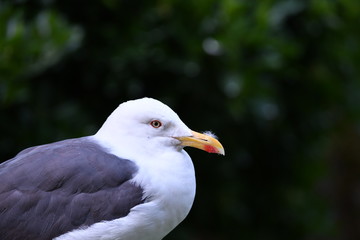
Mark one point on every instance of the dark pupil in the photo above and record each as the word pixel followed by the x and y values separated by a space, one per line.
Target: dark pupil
pixel 156 124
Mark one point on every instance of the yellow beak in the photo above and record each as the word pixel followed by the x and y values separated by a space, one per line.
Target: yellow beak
pixel 202 141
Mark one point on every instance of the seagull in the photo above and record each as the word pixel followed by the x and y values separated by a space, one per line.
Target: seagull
pixel 132 180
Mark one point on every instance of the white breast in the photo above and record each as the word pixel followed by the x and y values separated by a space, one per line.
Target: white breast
pixel 169 187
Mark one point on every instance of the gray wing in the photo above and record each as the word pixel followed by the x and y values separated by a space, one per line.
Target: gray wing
pixel 48 190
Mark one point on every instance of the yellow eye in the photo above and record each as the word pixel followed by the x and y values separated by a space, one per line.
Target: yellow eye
pixel 155 123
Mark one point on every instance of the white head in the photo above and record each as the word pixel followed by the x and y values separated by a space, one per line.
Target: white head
pixel 147 123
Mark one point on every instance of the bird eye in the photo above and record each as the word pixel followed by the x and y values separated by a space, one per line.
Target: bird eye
pixel 155 123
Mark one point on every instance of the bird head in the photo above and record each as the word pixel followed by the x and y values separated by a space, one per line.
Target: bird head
pixel 151 122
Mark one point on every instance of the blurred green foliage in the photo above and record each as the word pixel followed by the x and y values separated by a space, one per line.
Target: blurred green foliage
pixel 29 46
pixel 278 81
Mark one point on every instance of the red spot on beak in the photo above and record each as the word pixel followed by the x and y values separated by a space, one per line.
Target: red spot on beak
pixel 210 149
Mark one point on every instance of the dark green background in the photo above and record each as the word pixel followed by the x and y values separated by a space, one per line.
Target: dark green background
pixel 277 81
